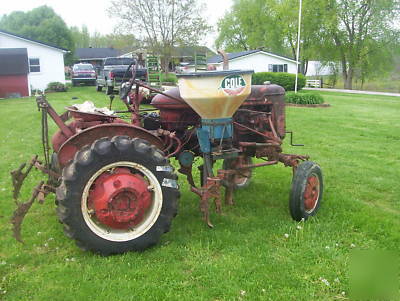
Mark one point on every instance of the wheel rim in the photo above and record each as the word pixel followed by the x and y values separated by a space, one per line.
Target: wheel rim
pixel 311 193
pixel 121 201
pixel 242 177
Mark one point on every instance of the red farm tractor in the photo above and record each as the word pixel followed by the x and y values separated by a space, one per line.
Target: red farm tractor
pixel 116 190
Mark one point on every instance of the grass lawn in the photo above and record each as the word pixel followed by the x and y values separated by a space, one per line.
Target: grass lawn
pixel 247 256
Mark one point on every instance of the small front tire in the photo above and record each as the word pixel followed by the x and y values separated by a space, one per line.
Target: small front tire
pixel 242 178
pixel 307 189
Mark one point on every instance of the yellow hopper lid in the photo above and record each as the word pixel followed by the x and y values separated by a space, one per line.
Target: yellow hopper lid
pixel 215 94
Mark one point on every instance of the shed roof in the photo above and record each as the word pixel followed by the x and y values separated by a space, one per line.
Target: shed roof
pixel 32 40
pixel 13 61
pixel 96 53
pixel 233 55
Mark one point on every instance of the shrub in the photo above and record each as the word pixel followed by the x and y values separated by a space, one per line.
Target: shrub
pixel 56 87
pixel 304 98
pixel 283 79
pixel 169 78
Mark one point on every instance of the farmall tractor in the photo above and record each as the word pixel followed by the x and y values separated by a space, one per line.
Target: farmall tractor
pixel 116 190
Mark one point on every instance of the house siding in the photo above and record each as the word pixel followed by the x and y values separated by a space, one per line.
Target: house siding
pixel 258 62
pixel 51 61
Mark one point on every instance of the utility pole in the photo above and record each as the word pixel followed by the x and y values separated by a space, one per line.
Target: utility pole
pixel 298 48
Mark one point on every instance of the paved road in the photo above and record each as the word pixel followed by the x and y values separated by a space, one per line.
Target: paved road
pixel 354 91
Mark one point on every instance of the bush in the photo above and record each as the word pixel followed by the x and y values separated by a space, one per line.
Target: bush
pixel 56 87
pixel 283 79
pixel 304 98
pixel 169 78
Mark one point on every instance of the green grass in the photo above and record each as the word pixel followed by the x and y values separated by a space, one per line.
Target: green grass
pixel 390 84
pixel 246 256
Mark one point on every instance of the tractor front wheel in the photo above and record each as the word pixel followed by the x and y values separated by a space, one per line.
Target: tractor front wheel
pixel 117 195
pixel 242 177
pixel 307 188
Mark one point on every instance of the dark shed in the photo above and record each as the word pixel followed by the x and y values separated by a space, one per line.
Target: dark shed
pixel 14 69
pixel 13 61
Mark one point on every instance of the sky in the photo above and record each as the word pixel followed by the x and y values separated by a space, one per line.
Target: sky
pixel 93 14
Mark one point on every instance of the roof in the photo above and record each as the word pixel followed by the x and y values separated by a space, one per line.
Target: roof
pixel 96 53
pixel 13 61
pixel 234 55
pixel 32 40
pixel 189 51
pixel 178 52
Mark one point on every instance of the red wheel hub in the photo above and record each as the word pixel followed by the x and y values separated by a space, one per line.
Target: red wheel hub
pixel 119 198
pixel 311 193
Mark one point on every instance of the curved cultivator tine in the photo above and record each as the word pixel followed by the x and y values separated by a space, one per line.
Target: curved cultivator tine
pixel 39 192
pixel 22 210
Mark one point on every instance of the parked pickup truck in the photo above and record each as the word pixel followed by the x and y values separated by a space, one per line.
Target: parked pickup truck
pixel 114 71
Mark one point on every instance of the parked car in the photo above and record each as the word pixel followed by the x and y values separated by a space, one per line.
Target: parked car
pixel 83 73
pixel 114 72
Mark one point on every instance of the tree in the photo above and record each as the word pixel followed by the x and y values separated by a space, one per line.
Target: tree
pixel 357 33
pixel 83 39
pixel 161 24
pixel 250 25
pixel 81 36
pixel 360 35
pixel 272 25
pixel 42 24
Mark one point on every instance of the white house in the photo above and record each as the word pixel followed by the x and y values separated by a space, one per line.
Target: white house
pixel 316 68
pixel 257 60
pixel 46 62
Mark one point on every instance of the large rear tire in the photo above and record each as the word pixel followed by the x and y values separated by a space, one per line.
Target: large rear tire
pixel 117 195
pixel 307 189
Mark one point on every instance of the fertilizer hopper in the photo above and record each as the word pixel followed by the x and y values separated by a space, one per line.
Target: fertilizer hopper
pixel 215 96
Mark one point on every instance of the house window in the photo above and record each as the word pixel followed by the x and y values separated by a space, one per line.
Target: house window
pixel 277 68
pixel 34 65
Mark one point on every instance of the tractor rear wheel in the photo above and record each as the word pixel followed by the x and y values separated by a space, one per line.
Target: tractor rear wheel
pixel 307 188
pixel 242 178
pixel 117 195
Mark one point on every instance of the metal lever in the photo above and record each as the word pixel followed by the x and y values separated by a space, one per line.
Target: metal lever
pixel 291 139
pixel 111 100
pixel 225 65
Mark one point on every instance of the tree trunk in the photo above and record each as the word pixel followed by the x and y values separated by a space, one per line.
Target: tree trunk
pixel 305 66
pixel 348 81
